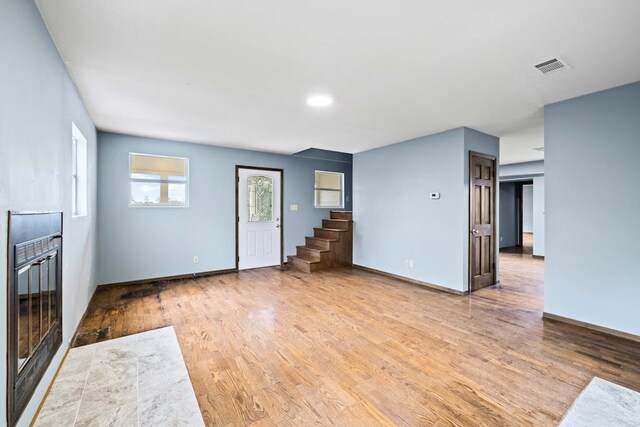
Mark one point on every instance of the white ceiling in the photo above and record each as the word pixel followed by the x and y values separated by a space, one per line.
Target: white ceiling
pixel 237 73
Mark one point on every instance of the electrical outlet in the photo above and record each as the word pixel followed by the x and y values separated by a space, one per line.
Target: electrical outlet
pixel 196 259
pixel 500 239
pixel 293 207
pixel 410 263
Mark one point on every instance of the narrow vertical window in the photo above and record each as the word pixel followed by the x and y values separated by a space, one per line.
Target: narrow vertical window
pixel 260 195
pixel 329 190
pixel 78 172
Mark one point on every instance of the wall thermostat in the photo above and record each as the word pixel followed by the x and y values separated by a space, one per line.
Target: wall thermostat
pixel 434 195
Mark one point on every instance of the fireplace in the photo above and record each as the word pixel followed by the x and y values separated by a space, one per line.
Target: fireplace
pixel 34 303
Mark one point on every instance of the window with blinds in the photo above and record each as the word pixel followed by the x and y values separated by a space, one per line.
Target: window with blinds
pixel 329 190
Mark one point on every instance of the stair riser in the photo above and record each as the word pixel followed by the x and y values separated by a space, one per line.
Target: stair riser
pixel 326 234
pixel 294 264
pixel 314 255
pixel 297 265
pixel 341 215
pixel 328 223
pixel 320 244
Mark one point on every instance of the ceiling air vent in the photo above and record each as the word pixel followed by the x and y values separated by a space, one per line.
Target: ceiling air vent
pixel 552 65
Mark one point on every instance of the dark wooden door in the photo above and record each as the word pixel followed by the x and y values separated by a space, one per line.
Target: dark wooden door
pixel 482 245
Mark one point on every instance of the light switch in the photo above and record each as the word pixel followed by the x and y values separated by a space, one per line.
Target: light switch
pixel 434 196
pixel 293 207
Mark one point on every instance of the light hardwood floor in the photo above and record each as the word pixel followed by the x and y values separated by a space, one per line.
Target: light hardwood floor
pixel 349 347
pixel 525 249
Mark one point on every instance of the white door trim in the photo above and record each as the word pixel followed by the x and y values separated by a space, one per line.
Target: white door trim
pixel 281 206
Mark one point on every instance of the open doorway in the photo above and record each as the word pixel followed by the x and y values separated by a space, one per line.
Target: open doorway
pixel 517 217
pixel 521 234
pixel 521 209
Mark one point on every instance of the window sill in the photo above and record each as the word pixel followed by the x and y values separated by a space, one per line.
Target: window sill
pixel 158 207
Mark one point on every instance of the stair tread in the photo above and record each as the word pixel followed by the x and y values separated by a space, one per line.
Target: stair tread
pixel 343 211
pixel 330 229
pixel 304 259
pixel 324 239
pixel 338 219
pixel 311 248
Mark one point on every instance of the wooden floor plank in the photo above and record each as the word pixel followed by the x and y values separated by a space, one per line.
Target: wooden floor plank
pixel 348 347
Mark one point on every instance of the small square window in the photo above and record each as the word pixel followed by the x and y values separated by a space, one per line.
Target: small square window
pixel 158 180
pixel 329 190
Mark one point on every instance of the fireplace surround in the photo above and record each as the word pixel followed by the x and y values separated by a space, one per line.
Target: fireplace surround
pixel 34 303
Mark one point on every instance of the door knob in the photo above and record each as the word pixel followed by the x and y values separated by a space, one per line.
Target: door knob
pixel 474 231
pixel 277 225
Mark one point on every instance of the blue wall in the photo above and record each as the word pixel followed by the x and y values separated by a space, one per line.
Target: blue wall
pixel 142 243
pixel 509 207
pixel 592 169
pixel 394 218
pixel 38 102
pixel 539 232
pixel 527 208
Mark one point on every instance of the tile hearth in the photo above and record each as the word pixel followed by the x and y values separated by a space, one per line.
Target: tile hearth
pixel 139 380
pixel 603 403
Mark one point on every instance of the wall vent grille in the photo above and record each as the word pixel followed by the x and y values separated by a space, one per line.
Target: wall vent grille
pixel 552 65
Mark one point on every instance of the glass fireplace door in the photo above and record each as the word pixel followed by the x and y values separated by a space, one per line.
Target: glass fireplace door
pixel 34 303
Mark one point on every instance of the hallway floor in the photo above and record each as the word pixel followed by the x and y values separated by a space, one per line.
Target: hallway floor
pixel 349 347
pixel 525 249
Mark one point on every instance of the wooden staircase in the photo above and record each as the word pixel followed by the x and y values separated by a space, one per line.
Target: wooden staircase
pixel 331 246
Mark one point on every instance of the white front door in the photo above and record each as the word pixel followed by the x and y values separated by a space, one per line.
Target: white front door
pixel 258 218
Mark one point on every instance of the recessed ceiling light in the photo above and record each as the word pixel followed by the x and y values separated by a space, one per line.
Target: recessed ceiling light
pixel 319 101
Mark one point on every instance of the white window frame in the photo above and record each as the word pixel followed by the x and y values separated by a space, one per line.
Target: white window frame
pixel 186 181
pixel 316 189
pixel 79 190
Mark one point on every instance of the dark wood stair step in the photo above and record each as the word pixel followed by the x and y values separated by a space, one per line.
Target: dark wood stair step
pixel 328 233
pixel 315 254
pixel 336 223
pixel 341 215
pixel 319 242
pixel 304 258
pixel 303 263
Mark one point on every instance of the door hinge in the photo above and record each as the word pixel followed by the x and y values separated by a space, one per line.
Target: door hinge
pixel 238 219
pixel 238 178
pixel 238 259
